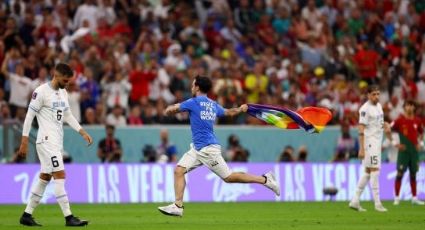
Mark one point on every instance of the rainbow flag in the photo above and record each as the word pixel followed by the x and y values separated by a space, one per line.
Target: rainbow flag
pixel 311 119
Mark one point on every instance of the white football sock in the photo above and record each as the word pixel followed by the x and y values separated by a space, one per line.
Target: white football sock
pixel 360 186
pixel 62 197
pixel 374 183
pixel 36 195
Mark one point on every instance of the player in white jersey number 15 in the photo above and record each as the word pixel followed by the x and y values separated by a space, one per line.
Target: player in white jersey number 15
pixel 49 103
pixel 371 130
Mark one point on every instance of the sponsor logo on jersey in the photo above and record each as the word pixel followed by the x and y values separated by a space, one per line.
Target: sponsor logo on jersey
pixel 34 95
pixel 57 104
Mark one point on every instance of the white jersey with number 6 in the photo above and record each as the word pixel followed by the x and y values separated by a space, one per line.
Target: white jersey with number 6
pixel 50 106
pixel 372 117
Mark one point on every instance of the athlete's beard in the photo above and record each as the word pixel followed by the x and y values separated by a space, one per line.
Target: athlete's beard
pixel 374 101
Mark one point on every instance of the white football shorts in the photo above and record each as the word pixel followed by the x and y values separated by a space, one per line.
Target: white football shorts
pixel 372 158
pixel 51 159
pixel 209 156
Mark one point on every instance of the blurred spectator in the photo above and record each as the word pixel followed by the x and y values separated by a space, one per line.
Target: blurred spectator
pixel 391 148
pixel 302 154
pixel 90 117
pixel 235 151
pixel 48 32
pixel 394 107
pixel 149 154
pixel 175 57
pixel 74 100
pixel 159 88
pixel 347 146
pixel 135 117
pixel 20 85
pixel 89 88
pixel 3 102
pixel 256 83
pixel 100 111
pixel 240 155
pixel 109 148
pixel 43 77
pixel 366 61
pixel 287 154
pixel 140 78
pixel 420 85
pixel 230 33
pixel 310 13
pixel 116 117
pixel 228 89
pixel 116 90
pixel 242 15
pixel 5 113
pixel 166 151
pixel 89 12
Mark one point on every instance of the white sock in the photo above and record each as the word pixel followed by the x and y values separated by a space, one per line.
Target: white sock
pixel 62 197
pixel 36 195
pixel 374 183
pixel 360 186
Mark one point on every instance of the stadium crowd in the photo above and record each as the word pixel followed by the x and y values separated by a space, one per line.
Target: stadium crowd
pixel 134 57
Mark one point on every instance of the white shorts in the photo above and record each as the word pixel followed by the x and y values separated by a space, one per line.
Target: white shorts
pixel 51 159
pixel 372 158
pixel 209 156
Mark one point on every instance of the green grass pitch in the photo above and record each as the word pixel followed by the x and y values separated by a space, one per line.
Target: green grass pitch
pixel 246 216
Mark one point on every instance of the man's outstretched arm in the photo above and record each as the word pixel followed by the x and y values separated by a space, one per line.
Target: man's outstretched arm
pixel 235 111
pixel 172 109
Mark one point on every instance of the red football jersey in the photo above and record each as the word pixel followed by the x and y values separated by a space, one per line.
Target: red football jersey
pixel 410 128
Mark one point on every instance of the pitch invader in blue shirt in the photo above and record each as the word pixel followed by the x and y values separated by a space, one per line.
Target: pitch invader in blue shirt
pixel 205 149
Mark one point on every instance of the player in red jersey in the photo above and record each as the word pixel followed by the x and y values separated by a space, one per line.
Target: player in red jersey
pixel 410 130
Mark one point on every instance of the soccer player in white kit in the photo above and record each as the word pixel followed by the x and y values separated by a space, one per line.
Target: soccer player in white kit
pixel 49 103
pixel 371 130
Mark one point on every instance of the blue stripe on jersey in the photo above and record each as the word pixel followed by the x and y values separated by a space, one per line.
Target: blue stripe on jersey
pixel 33 109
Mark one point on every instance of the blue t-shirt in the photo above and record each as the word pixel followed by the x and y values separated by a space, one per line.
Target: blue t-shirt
pixel 202 113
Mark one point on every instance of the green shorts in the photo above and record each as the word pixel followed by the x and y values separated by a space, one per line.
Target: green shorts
pixel 408 159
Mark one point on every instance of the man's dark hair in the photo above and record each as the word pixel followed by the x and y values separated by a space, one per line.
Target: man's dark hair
pixel 204 83
pixel 110 127
pixel 64 69
pixel 410 102
pixel 372 88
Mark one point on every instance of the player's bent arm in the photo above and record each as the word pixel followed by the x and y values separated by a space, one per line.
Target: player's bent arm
pixel 70 119
pixel 235 111
pixel 387 131
pixel 361 128
pixel 28 122
pixel 23 149
pixel 172 109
